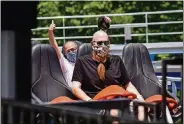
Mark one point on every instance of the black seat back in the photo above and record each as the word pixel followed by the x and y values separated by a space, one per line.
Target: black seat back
pixel 84 49
pixel 34 43
pixel 140 69
pixel 48 81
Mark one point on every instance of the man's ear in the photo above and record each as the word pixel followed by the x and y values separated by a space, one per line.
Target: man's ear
pixel 63 51
pixel 91 43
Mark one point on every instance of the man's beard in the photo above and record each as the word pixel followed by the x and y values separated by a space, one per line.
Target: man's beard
pixel 101 55
pixel 100 58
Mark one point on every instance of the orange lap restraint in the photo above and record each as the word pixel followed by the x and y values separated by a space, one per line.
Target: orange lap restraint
pixel 61 99
pixel 109 92
pixel 113 91
pixel 171 103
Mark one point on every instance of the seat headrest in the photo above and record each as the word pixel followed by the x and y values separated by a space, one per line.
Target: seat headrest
pixel 34 43
pixel 84 49
pixel 78 43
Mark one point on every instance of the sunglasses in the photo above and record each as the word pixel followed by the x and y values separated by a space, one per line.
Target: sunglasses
pixel 100 43
pixel 71 50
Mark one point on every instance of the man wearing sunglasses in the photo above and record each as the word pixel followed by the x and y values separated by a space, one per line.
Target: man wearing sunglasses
pixel 98 70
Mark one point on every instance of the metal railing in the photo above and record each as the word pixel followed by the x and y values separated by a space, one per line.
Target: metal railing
pixel 178 79
pixel 145 24
pixel 165 63
pixel 74 113
pixel 171 81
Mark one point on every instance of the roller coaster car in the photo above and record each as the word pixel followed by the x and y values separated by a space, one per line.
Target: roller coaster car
pixel 49 85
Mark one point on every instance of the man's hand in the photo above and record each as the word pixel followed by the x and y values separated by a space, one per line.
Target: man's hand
pixel 107 19
pixel 52 40
pixel 104 23
pixel 78 92
pixel 140 98
pixel 52 27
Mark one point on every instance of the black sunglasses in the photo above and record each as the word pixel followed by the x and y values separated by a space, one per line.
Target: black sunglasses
pixel 71 50
pixel 99 43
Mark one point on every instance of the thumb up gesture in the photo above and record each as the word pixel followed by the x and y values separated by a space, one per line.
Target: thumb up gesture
pixel 52 26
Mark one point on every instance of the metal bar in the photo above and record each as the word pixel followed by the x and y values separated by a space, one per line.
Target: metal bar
pixel 83 37
pixel 152 106
pixel 171 78
pixel 113 25
pixel 166 33
pixel 64 29
pixel 164 74
pixel 102 104
pixel 32 117
pixel 163 23
pixel 94 26
pixel 10 114
pixel 63 112
pixel 124 14
pixel 164 12
pixel 146 21
pixel 117 35
pixel 164 90
pixel 152 46
pixel 155 114
pixel 22 116
pixel 2 114
pixel 88 16
pixel 181 91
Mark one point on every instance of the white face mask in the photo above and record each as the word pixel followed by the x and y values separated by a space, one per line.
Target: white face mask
pixel 101 50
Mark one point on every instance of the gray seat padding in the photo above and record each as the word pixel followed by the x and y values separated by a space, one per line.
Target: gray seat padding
pixel 140 69
pixel 84 49
pixel 34 43
pixel 48 81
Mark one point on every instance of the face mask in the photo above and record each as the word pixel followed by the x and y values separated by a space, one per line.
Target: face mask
pixel 71 56
pixel 102 50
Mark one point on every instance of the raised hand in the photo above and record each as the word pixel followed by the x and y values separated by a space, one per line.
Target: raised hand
pixel 52 26
pixel 104 23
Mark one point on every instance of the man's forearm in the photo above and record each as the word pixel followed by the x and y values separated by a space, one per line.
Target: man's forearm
pixel 53 43
pixel 52 39
pixel 79 93
pixel 132 89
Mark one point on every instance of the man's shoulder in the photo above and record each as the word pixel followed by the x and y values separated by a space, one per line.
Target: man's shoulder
pixel 85 57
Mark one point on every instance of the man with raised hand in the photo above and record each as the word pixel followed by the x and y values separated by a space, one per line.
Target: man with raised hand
pixel 67 61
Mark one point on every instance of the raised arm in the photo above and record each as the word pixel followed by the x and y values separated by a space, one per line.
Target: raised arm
pixel 52 40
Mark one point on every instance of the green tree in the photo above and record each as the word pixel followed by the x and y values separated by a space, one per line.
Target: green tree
pixel 58 8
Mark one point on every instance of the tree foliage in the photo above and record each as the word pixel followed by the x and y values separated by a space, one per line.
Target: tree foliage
pixel 59 8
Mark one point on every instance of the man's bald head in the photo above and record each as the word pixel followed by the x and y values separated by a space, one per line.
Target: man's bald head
pixel 100 36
